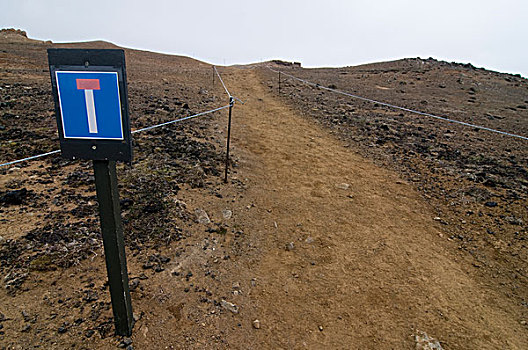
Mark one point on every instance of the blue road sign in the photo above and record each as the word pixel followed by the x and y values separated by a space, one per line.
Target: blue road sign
pixel 90 105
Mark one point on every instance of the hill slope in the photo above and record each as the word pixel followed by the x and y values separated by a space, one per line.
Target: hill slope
pixel 343 225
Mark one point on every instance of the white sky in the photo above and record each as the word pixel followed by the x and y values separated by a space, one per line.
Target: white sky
pixel 489 34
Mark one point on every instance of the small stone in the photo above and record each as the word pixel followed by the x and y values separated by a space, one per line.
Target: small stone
pixel 229 306
pixel 133 285
pixel 309 240
pixel 513 220
pixel 227 214
pixel 236 286
pixel 148 265
pixel 490 204
pixel 290 246
pixel 26 328
pixel 320 328
pixel 342 186
pixel 62 330
pixel 425 342
pixel 256 324
pixel 130 347
pixel 437 218
pixel 202 217
pixel 523 323
pixel 25 315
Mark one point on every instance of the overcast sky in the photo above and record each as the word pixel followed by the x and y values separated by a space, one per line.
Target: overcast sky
pixel 490 34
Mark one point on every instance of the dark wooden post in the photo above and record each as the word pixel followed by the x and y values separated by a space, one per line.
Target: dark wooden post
pixel 114 245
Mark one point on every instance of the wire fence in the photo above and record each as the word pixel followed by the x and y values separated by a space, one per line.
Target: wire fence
pixel 215 72
pixel 180 119
pixel 30 158
pixel 222 81
pixel 401 108
pixel 133 132
pixel 230 106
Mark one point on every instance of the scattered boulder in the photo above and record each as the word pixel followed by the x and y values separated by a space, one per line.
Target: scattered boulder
pixel 513 220
pixel 256 324
pixel 227 214
pixel 229 306
pixel 342 186
pixel 15 197
pixel 202 217
pixel 424 342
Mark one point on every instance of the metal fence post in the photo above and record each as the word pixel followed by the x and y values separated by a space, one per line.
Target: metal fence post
pixel 279 81
pixel 231 103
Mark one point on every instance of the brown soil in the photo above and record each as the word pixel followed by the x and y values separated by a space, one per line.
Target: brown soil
pixel 325 247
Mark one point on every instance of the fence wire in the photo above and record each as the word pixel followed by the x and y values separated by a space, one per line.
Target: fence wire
pixel 401 108
pixel 219 77
pixel 133 132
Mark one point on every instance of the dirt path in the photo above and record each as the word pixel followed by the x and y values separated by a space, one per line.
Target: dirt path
pixel 350 256
pixel 325 249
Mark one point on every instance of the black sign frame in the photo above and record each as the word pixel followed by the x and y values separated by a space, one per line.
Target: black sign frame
pixel 93 60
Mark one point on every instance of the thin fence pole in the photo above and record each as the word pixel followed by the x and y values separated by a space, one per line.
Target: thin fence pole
pixel 279 81
pixel 231 103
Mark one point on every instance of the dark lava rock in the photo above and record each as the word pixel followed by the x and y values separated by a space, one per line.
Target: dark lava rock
pixel 15 197
pixel 126 203
pixel 490 204
pixel 133 284
pixel 147 265
pixel 90 296
pixel 125 342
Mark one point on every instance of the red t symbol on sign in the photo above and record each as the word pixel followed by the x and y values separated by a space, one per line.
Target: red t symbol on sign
pixel 89 85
